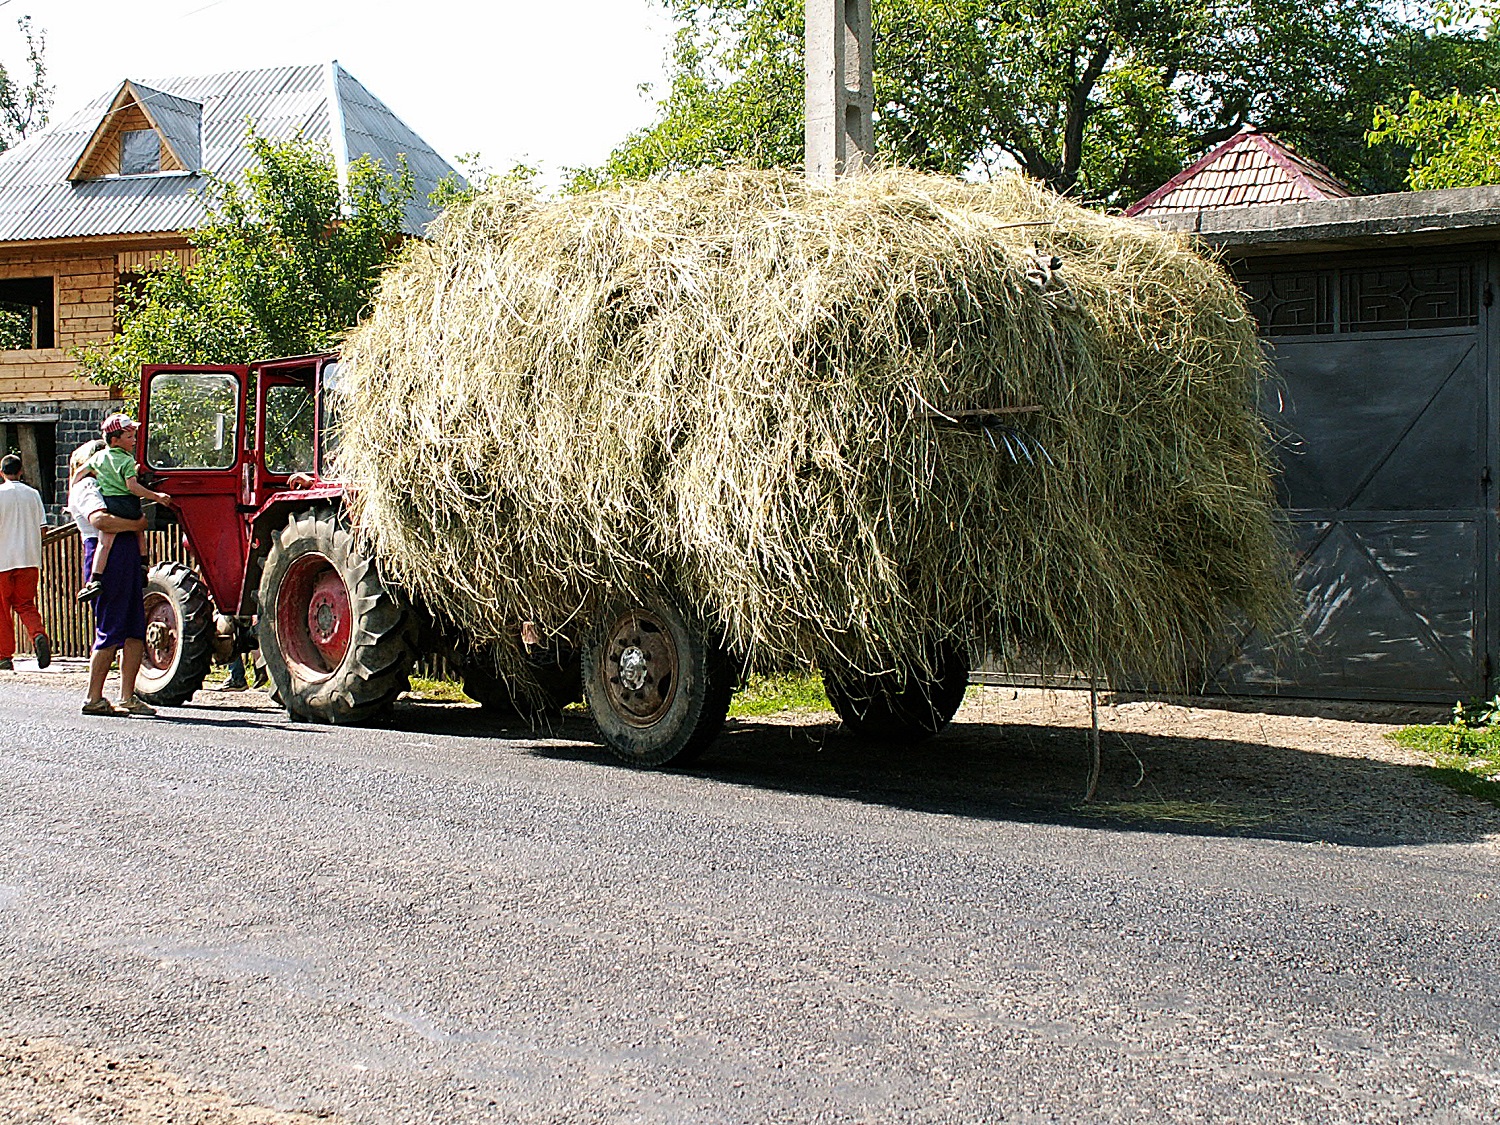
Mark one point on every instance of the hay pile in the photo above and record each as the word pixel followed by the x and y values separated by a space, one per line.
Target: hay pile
pixel 728 386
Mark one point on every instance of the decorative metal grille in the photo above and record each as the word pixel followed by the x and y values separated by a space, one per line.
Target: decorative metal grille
pixel 1291 304
pixel 1379 300
pixel 1385 299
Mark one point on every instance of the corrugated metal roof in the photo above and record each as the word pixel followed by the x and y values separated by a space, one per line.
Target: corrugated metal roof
pixel 37 201
pixel 1248 170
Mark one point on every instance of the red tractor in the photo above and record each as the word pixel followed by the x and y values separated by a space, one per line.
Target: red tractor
pixel 245 454
pixel 242 451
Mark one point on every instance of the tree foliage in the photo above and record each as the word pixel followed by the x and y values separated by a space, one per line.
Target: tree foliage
pixel 285 265
pixel 1450 139
pixel 1454 140
pixel 24 106
pixel 1103 98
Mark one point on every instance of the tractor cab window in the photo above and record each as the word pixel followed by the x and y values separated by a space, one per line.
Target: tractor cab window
pixel 289 429
pixel 193 420
pixel 333 401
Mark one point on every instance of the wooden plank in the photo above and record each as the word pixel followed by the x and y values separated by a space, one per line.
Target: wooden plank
pixel 31 464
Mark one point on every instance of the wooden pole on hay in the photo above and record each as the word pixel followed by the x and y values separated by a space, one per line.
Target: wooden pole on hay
pixel 839 136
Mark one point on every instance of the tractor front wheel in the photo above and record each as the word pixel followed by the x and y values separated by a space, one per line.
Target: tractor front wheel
pixel 179 635
pixel 337 643
pixel 658 689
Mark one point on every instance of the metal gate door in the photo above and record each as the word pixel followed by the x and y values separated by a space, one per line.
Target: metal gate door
pixel 1384 409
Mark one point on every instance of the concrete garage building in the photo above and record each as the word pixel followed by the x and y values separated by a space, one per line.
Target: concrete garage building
pixel 94 201
pixel 1379 316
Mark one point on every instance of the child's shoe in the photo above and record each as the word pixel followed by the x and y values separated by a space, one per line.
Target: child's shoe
pixel 90 590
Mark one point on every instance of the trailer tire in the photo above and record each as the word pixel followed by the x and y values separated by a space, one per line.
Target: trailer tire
pixel 179 648
pixel 337 643
pixel 658 689
pixel 892 708
pixel 560 679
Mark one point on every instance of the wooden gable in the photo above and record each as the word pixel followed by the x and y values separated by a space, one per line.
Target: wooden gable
pixel 128 112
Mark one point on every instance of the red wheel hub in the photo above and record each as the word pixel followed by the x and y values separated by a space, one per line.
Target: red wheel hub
pixel 162 634
pixel 314 617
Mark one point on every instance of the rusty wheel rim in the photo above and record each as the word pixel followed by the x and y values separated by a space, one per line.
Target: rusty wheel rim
pixel 641 667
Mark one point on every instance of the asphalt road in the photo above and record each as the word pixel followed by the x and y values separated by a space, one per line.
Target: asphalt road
pixel 436 923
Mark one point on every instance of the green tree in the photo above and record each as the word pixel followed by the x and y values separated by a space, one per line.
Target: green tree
pixel 1453 141
pixel 286 264
pixel 1451 138
pixel 1105 98
pixel 24 107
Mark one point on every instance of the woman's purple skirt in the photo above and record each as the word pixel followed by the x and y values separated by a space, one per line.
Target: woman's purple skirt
pixel 120 608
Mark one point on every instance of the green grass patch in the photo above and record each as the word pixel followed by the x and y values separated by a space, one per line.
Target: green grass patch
pixel 1465 758
pixel 442 691
pixel 773 695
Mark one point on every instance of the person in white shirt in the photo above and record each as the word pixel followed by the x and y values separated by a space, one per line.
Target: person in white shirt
pixel 22 518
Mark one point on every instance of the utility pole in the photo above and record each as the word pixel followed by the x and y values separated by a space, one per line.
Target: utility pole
pixel 840 132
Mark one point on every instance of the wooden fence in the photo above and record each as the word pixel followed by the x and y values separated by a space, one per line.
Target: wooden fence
pixel 69 622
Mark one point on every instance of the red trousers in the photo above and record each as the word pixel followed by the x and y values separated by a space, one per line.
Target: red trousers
pixel 18 596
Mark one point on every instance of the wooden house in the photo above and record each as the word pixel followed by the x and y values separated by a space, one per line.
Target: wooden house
pixel 87 205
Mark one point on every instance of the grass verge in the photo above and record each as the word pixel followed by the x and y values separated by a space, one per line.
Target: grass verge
pixel 763 695
pixel 1464 758
pixel 773 695
pixel 444 691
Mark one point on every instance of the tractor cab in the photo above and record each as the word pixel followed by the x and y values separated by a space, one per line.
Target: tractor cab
pixel 231 445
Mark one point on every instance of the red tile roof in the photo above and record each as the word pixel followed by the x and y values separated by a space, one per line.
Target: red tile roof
pixel 1250 169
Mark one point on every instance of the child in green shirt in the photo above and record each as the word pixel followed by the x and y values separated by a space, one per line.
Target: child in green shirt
pixel 114 467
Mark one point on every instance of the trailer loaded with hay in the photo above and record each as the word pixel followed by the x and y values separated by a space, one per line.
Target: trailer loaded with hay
pixel 636 443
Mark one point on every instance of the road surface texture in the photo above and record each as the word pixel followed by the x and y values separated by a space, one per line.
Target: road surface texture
pixel 224 917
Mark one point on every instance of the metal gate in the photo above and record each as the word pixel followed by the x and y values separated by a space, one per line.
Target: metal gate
pixel 1386 418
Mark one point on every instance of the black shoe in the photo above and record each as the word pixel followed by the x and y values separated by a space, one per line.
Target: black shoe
pixel 43 648
pixel 90 590
pixel 6 665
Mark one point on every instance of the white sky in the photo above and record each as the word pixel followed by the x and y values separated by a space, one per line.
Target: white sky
pixel 552 83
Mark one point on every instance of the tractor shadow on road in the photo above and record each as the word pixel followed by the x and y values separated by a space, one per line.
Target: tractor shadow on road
pixel 1209 786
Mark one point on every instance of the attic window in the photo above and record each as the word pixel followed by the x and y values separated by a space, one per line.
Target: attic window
pixel 140 152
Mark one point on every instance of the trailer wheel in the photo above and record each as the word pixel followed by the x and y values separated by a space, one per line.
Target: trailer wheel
pixel 179 635
pixel 557 673
pixel 893 708
pixel 337 643
pixel 657 688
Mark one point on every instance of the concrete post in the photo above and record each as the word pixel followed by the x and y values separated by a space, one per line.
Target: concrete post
pixel 840 132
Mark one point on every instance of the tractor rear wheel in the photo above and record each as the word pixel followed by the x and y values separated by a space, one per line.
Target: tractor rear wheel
pixel 179 646
pixel 895 708
pixel 337 643
pixel 658 689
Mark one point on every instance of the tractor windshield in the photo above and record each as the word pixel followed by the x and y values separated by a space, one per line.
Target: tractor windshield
pixel 194 416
